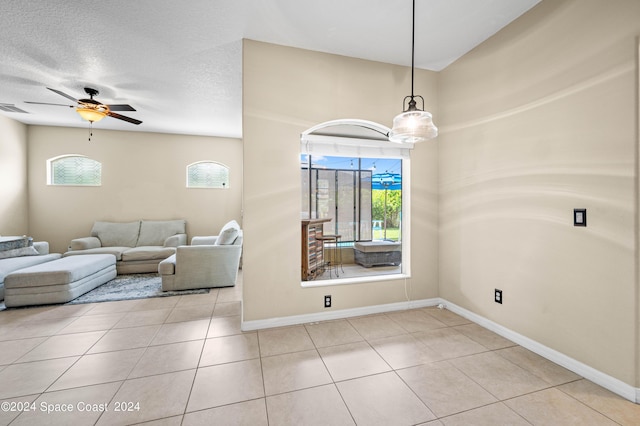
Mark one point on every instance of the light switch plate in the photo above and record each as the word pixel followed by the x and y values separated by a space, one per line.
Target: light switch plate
pixel 579 217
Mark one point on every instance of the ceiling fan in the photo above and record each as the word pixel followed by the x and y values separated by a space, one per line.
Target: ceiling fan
pixel 91 109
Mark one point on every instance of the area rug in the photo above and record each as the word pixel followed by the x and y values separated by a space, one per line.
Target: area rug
pixel 129 287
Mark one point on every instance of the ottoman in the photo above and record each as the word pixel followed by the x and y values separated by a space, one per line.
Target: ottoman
pixel 372 253
pixel 58 281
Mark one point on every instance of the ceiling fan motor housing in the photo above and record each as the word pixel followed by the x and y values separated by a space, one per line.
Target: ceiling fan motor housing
pixel 91 92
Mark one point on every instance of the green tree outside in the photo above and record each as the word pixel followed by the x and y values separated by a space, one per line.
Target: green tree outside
pixel 394 208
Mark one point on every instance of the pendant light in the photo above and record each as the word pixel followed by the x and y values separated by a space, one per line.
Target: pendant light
pixel 413 124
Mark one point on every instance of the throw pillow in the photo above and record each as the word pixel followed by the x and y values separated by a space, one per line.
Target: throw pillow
pixel 23 251
pixel 10 243
pixel 228 233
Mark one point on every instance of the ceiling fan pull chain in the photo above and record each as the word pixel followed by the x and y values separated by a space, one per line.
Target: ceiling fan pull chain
pixel 90 130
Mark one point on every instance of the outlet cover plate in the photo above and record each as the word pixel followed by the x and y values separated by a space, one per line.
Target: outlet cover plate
pixel 327 301
pixel 498 296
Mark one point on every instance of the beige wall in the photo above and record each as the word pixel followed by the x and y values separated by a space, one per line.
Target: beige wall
pixel 143 177
pixel 286 91
pixel 13 178
pixel 537 121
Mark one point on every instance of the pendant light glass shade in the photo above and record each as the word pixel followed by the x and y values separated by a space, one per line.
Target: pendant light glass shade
pixel 413 124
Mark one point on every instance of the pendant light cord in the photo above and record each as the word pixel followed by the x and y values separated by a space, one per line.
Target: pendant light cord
pixel 413 42
pixel 413 124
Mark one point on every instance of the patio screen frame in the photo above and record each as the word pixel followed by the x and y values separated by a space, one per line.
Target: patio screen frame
pixel 350 223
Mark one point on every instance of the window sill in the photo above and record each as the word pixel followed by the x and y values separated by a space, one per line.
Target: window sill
pixel 354 280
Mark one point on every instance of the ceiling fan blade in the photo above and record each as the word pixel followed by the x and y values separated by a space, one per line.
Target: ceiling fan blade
pixel 63 94
pixel 48 103
pixel 122 117
pixel 121 107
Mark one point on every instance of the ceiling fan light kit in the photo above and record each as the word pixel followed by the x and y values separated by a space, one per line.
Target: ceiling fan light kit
pixel 90 109
pixel 413 124
pixel 91 114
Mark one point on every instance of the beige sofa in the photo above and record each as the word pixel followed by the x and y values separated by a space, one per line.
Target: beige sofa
pixel 25 258
pixel 208 262
pixel 138 246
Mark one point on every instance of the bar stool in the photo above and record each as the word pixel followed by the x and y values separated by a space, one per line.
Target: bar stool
pixel 336 253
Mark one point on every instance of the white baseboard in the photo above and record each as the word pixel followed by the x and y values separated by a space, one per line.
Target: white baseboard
pixel 611 383
pixel 337 314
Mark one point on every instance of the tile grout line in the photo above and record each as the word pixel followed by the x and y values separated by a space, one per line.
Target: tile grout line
pixel 204 344
pixel 557 387
pixel 333 380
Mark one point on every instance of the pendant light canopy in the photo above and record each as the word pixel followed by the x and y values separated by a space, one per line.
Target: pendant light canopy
pixel 413 124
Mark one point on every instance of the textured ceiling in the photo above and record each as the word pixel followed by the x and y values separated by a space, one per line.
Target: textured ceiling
pixel 179 63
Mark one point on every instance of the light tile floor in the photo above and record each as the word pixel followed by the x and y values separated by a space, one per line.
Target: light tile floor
pixel 184 361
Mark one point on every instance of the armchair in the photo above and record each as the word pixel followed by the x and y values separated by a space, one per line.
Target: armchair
pixel 206 263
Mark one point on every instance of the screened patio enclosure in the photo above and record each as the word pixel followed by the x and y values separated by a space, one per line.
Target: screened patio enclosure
pixel 344 195
pixel 340 188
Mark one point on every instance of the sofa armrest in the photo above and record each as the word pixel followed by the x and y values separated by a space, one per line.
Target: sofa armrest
pixel 204 241
pixel 85 243
pixel 176 240
pixel 41 246
pixel 208 263
pixel 211 253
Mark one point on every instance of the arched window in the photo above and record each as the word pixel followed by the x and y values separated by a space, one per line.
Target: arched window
pixel 357 185
pixel 207 174
pixel 72 170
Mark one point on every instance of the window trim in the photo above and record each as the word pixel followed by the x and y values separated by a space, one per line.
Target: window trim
pixel 50 161
pixel 228 169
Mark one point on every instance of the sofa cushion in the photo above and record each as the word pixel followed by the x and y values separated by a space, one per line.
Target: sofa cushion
pixel 228 233
pixel 147 253
pixel 116 234
pixel 9 265
pixel 19 252
pixel 155 232
pixel 116 251
pixel 377 246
